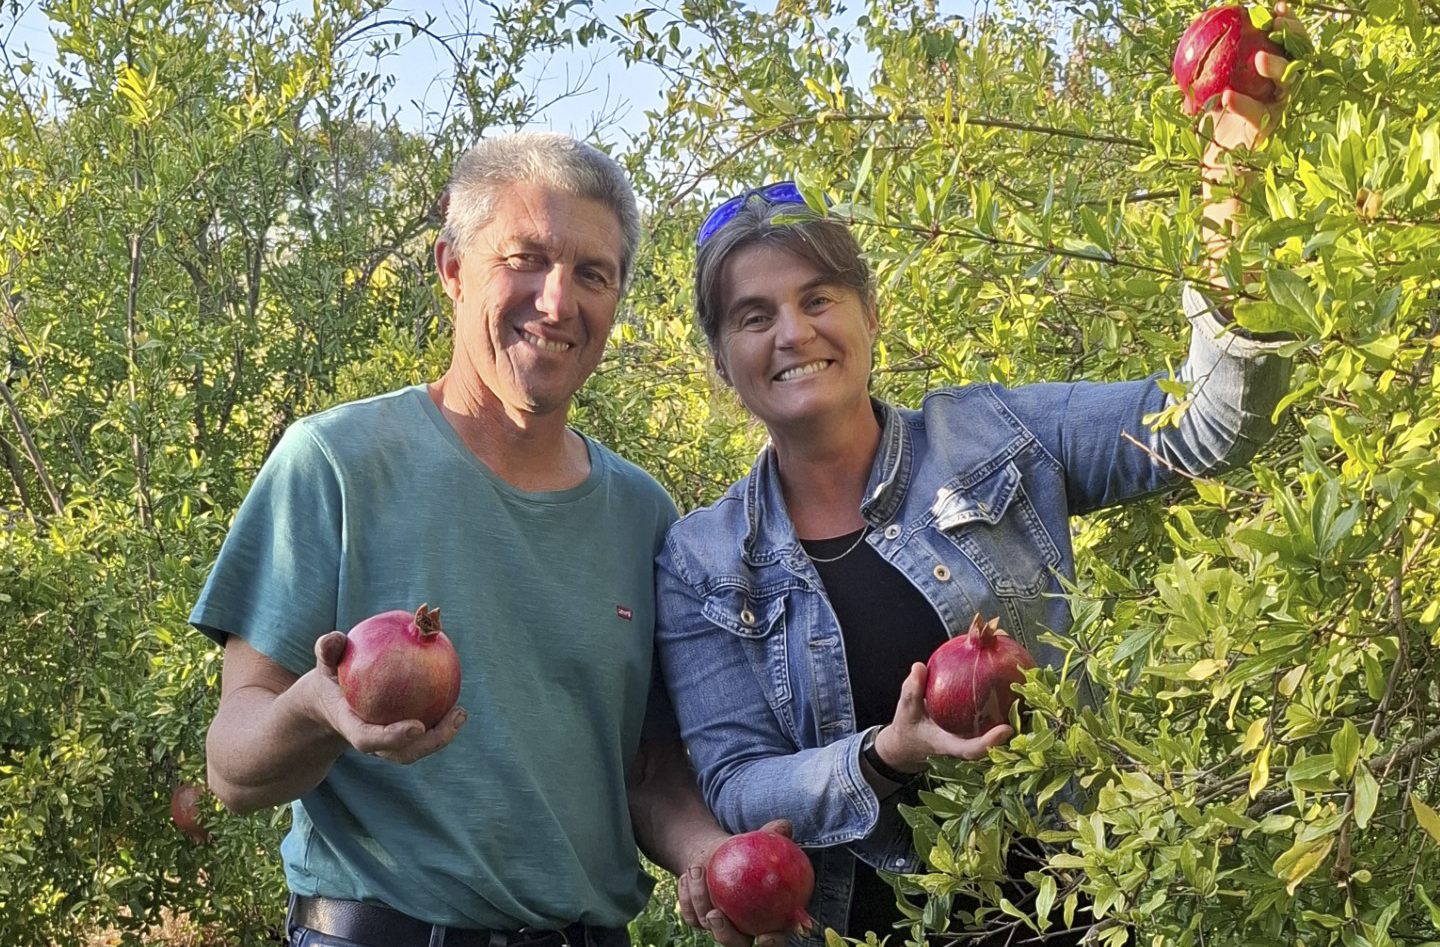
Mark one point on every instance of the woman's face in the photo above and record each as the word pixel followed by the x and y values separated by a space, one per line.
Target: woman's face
pixel 794 346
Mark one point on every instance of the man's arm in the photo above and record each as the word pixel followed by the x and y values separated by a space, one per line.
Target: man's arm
pixel 275 735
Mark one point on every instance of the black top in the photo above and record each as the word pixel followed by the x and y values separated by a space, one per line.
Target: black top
pixel 886 625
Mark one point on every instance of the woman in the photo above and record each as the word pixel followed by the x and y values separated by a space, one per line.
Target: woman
pixel 795 609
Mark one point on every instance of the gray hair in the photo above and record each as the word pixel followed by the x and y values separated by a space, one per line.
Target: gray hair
pixel 549 159
pixel 825 242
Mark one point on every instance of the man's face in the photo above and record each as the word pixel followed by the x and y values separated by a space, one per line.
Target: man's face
pixel 535 295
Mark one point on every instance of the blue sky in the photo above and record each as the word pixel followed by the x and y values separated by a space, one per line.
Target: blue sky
pixel 606 86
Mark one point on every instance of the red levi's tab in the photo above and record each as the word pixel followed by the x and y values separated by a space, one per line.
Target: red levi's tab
pixel 624 612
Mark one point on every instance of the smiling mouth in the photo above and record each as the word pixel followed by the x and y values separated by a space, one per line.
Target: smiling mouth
pixel 801 371
pixel 545 345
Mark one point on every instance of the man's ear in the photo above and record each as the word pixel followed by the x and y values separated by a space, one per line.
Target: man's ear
pixel 447 264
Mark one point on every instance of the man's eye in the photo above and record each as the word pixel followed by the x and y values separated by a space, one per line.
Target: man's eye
pixel 526 261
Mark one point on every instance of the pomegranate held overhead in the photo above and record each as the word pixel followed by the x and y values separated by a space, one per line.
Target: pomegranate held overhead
pixel 399 666
pixel 762 881
pixel 971 678
pixel 1217 52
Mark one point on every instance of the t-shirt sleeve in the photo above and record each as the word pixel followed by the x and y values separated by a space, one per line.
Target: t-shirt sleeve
pixel 276 581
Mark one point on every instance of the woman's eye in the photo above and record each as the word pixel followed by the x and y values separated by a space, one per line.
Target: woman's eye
pixel 753 320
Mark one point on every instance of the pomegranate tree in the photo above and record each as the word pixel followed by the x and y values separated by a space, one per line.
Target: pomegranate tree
pixel 762 881
pixel 971 679
pixel 185 812
pixel 399 666
pixel 1217 52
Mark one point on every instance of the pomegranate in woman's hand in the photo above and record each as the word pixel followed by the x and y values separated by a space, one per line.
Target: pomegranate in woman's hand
pixel 185 812
pixel 400 667
pixel 1217 52
pixel 762 881
pixel 969 688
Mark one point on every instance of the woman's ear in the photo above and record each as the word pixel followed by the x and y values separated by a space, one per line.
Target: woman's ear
pixel 872 314
pixel 720 370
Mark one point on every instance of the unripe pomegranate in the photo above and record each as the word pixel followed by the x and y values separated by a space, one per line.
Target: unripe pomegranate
pixel 971 678
pixel 762 881
pixel 185 812
pixel 1217 52
pixel 400 667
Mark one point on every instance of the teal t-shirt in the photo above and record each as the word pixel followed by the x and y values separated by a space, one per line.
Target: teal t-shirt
pixel 549 599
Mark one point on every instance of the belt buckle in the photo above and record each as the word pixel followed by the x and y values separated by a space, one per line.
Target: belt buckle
pixel 530 936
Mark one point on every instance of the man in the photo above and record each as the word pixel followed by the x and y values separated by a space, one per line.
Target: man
pixel 514 820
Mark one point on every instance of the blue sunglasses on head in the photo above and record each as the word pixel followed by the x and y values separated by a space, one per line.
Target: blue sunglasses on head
pixel 781 192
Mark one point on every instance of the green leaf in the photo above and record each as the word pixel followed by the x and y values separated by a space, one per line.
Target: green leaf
pixel 1367 796
pixel 1291 292
pixel 1268 318
pixel 1428 818
pixel 1345 745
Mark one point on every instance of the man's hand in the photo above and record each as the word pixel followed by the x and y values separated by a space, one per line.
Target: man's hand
pixel 275 735
pixel 402 742
pixel 692 892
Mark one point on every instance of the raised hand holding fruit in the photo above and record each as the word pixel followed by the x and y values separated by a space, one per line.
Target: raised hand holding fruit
pixel 400 667
pixel 970 681
pixel 762 881
pixel 1218 52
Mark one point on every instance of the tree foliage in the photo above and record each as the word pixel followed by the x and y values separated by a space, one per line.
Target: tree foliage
pixel 211 226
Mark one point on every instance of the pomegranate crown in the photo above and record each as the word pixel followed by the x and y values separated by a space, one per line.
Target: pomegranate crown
pixel 427 619
pixel 984 631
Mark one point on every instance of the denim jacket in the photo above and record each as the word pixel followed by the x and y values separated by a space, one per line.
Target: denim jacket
pixel 969 497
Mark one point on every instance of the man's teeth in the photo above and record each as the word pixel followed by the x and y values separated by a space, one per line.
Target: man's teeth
pixel 546 344
pixel 791 374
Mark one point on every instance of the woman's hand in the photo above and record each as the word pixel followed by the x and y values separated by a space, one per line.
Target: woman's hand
pixel 1239 122
pixel 914 736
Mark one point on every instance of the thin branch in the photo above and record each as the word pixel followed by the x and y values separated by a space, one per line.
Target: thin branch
pixel 31 450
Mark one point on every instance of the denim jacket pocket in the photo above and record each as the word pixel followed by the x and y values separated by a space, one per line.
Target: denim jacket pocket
pixel 995 525
pixel 761 627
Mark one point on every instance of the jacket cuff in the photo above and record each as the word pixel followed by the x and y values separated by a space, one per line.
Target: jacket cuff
pixel 1208 321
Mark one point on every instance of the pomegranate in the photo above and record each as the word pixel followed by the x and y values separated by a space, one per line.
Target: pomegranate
pixel 762 881
pixel 1217 52
pixel 400 667
pixel 971 678
pixel 185 812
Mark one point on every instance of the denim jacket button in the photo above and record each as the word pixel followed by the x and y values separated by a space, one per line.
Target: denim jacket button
pixel 942 573
pixel 892 531
pixel 747 617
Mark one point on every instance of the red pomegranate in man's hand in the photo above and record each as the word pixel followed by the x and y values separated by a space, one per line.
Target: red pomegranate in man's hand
pixel 762 881
pixel 1217 52
pixel 399 666
pixel 970 685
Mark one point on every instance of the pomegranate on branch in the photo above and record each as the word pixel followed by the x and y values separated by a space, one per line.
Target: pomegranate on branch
pixel 185 812
pixel 399 666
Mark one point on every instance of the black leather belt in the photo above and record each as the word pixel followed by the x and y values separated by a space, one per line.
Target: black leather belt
pixel 376 926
